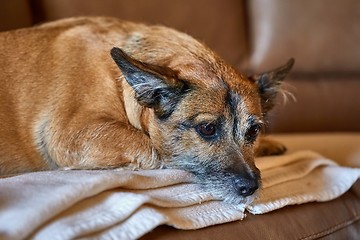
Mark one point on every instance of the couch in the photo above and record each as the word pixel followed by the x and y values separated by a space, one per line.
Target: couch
pixel 323 36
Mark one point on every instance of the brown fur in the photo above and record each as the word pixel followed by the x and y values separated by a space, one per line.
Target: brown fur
pixel 64 103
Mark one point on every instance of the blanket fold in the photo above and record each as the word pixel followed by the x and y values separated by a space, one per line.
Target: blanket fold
pixel 126 204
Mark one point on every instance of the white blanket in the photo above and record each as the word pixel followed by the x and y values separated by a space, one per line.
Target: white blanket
pixel 126 205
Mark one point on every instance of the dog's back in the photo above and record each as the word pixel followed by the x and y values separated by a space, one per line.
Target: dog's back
pixel 47 74
pixel 21 64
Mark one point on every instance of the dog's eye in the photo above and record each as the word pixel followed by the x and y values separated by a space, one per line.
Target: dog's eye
pixel 206 130
pixel 252 133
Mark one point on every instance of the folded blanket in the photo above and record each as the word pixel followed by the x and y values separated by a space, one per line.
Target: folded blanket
pixel 126 204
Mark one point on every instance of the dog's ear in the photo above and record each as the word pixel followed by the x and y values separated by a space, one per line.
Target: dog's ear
pixel 269 84
pixel 154 86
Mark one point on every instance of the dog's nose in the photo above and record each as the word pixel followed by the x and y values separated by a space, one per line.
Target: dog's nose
pixel 246 186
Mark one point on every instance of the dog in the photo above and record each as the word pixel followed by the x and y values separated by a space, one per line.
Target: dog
pixel 102 93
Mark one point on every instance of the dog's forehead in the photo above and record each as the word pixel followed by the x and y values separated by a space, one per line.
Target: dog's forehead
pixel 196 64
pixel 221 98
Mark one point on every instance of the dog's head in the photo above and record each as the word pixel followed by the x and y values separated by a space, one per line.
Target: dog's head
pixel 205 118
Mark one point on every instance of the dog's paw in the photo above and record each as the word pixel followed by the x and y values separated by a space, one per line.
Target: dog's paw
pixel 269 147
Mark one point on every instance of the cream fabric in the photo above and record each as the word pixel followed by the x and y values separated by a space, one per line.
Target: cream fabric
pixel 108 204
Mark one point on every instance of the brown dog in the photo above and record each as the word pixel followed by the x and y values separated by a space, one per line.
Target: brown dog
pixel 64 103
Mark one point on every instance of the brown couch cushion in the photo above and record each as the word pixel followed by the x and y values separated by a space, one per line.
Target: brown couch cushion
pixel 15 14
pixel 321 104
pixel 322 35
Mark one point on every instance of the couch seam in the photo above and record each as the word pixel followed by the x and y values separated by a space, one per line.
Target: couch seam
pixel 333 229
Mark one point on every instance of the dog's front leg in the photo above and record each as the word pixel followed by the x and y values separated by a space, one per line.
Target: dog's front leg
pixel 101 145
pixel 268 147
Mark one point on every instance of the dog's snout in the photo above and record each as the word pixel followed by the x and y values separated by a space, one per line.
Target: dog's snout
pixel 246 186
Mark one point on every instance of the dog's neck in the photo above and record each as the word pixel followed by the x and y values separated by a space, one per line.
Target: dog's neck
pixel 138 115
